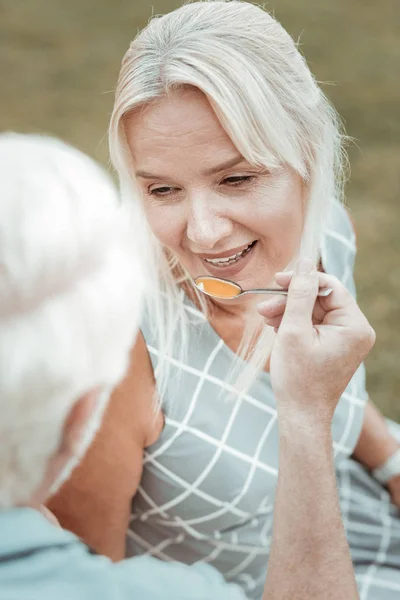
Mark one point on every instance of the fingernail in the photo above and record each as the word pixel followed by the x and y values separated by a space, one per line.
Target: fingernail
pixel 304 266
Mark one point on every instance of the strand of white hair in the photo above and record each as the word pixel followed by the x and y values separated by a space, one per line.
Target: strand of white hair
pixel 70 291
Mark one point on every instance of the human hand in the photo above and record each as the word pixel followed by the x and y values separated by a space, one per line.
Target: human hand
pixel 320 343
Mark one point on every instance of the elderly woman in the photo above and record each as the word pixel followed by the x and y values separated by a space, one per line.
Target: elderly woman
pixel 222 135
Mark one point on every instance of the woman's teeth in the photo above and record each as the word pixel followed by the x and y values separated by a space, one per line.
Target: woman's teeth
pixel 229 260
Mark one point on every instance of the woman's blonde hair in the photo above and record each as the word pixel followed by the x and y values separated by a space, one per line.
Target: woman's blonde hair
pixel 268 102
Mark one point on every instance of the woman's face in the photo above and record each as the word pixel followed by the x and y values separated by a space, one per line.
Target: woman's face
pixel 218 214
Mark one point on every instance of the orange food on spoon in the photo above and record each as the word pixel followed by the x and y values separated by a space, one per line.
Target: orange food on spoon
pixel 215 287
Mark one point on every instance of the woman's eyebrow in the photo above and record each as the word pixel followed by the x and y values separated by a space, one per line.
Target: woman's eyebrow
pixel 145 175
pixel 232 162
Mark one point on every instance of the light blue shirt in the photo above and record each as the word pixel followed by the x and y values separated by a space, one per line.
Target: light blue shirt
pixel 41 562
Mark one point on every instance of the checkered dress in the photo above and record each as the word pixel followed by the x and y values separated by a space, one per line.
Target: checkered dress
pixel 208 485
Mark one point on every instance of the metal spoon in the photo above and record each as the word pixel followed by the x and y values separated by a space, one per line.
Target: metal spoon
pixel 229 290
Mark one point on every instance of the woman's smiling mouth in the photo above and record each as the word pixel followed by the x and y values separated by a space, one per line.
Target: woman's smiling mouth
pixel 230 263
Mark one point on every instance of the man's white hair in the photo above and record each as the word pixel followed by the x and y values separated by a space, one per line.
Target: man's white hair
pixel 265 97
pixel 70 292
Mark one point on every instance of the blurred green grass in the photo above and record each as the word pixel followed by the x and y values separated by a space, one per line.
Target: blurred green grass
pixel 59 62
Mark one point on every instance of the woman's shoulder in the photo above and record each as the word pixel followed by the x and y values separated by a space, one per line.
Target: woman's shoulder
pixel 339 225
pixel 338 245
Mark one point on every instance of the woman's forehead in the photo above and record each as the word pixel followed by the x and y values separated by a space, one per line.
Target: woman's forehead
pixel 178 116
pixel 180 127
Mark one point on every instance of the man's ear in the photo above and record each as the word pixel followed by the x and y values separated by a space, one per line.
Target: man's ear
pixel 74 431
pixel 77 421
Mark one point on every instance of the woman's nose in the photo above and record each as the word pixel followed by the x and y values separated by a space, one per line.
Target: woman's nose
pixel 206 227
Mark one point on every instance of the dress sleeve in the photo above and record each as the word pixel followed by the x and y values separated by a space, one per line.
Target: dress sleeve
pixel 338 246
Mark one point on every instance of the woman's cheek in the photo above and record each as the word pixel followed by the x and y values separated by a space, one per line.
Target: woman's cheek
pixel 165 225
pixel 284 230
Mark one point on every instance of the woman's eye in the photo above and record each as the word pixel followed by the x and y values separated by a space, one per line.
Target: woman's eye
pixel 163 190
pixel 237 180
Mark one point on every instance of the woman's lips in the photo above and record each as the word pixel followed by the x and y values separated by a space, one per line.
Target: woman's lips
pixel 231 269
pixel 227 253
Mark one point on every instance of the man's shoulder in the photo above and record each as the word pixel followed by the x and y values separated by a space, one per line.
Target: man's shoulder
pixel 159 580
pixel 338 245
pixel 42 562
pixel 39 560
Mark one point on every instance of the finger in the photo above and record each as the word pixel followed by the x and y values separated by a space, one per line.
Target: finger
pixel 341 293
pixel 274 322
pixel 272 307
pixel 339 298
pixel 302 294
pixel 276 308
pixel 283 278
pixel 318 313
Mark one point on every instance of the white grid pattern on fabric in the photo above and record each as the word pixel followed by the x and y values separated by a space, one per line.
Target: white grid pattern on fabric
pixel 148 548
pixel 195 492
pixel 338 446
pixel 213 555
pixel 193 488
pixel 212 379
pixel 369 515
pixel 368 528
pixel 353 399
pixel 220 448
pixel 216 543
pixel 347 429
pixel 382 550
pixel 239 548
pixel 241 566
pixel 341 238
pixel 228 506
pixel 201 375
pixel 265 539
pixel 219 443
pixel 345 495
pixel 228 449
pixel 247 581
pixel 381 584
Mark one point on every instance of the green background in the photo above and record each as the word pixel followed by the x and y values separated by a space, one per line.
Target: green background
pixel 59 61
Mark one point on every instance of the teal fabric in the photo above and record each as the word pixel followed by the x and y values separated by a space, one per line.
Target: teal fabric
pixel 41 562
pixel 208 486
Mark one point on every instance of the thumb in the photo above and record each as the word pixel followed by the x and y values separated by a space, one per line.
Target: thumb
pixel 302 295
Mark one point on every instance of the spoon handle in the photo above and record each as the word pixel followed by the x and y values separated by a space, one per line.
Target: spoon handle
pixel 277 292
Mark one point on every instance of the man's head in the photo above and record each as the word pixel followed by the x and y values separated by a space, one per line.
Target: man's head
pixel 70 292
